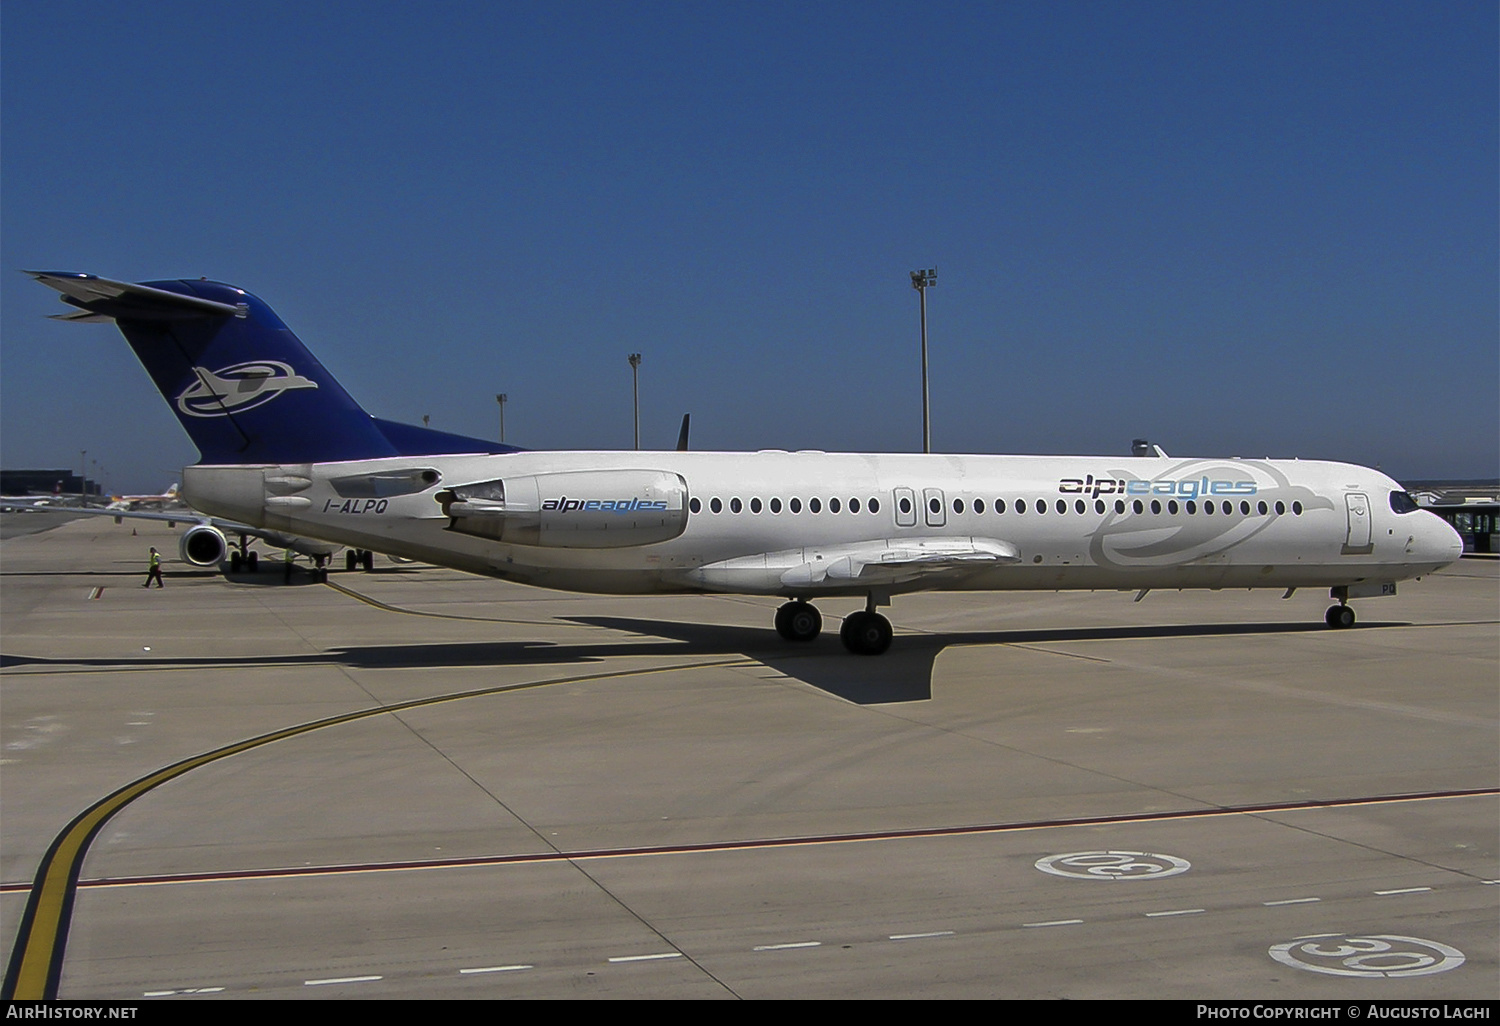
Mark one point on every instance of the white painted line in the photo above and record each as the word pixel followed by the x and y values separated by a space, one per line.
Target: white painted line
pixel 784 947
pixel 1405 890
pixel 1490 881
pixel 921 936
pixel 1292 901
pixel 341 979
pixel 1056 922
pixel 1174 912
pixel 495 969
pixel 159 993
pixel 646 958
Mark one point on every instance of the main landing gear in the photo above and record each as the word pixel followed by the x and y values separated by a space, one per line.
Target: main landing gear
pixel 799 621
pixel 243 557
pixel 865 632
pixel 359 559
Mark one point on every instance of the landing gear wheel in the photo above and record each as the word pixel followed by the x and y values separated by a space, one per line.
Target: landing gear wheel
pixel 234 562
pixel 252 561
pixel 367 560
pixel 1339 616
pixel 798 621
pixel 866 633
pixel 351 559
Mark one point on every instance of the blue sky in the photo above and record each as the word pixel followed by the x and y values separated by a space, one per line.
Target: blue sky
pixel 1250 228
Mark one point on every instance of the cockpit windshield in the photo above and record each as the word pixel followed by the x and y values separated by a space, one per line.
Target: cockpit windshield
pixel 1401 502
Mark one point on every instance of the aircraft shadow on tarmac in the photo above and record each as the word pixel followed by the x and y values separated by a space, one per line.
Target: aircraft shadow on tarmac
pixel 904 674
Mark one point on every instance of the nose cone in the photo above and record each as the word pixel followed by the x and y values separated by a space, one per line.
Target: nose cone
pixel 1439 543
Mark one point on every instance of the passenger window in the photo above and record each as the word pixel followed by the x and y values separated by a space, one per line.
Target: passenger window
pixel 1138 506
pixel 1172 506
pixel 755 505
pixel 814 506
pixel 695 505
pixel 1297 509
pixel 1099 506
pixel 1000 506
pixel 958 505
pixel 715 505
pixel 833 505
pixel 795 505
pixel 1280 508
pixel 1020 505
pixel 978 505
pixel 905 504
pixel 853 505
pixel 775 505
pixel 1062 506
pixel 1156 507
pixel 874 505
pixel 734 505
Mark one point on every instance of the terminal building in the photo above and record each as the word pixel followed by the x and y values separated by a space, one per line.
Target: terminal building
pixel 45 482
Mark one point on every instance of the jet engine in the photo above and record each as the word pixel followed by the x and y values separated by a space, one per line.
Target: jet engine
pixel 590 509
pixel 202 545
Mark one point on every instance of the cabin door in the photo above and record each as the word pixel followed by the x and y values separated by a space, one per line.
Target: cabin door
pixel 1357 513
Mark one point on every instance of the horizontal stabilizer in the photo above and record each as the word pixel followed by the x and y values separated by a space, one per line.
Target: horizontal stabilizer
pixel 102 299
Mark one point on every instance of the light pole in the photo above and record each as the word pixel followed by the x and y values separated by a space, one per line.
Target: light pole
pixel 921 281
pixel 500 398
pixel 635 386
pixel 83 477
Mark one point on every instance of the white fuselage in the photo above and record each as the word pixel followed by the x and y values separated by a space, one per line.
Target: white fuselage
pixel 768 522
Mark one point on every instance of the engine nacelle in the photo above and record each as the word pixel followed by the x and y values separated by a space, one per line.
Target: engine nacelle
pixel 203 545
pixel 589 509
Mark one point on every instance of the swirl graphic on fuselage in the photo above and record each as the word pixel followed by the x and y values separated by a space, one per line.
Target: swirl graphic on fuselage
pixel 1130 540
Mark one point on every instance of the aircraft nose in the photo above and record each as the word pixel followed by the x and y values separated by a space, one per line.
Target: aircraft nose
pixel 1441 541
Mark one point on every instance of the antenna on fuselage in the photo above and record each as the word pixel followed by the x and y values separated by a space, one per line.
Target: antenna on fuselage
pixel 682 436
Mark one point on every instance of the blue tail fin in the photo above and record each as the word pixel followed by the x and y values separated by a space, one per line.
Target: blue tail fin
pixel 244 387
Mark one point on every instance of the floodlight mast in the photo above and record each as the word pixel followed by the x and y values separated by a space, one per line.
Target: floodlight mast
pixel 921 281
pixel 501 398
pixel 635 385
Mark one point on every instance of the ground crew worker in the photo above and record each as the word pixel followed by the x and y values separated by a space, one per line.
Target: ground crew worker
pixel 286 577
pixel 154 573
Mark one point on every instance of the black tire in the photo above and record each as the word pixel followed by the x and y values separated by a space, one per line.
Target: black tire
pixel 367 560
pixel 351 559
pixel 799 621
pixel 866 633
pixel 1339 617
pixel 252 561
pixel 234 562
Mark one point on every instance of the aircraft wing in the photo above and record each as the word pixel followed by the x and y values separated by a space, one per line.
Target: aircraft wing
pixel 880 563
pixel 306 546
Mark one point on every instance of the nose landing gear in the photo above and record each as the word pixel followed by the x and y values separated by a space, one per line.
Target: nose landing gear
pixel 1339 616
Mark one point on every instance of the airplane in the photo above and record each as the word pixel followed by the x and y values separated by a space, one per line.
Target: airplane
pixel 284 448
pixel 161 500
